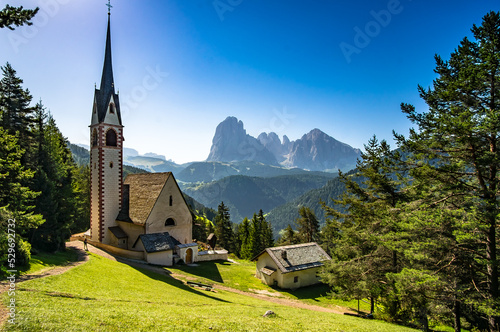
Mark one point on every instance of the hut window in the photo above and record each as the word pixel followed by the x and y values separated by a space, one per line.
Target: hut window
pixel 170 222
pixel 296 279
pixel 111 138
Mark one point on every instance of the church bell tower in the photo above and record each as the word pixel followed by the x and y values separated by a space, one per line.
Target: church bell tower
pixel 106 153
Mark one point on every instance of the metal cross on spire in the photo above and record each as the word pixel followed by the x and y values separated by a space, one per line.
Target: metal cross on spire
pixel 109 6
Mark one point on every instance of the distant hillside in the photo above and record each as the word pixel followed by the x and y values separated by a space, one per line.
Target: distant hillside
pixel 81 156
pixel 287 213
pixel 214 170
pixel 153 164
pixel 200 209
pixel 246 195
pixel 132 170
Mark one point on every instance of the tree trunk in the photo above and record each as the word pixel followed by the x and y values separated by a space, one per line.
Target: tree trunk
pixel 424 320
pixel 456 314
pixel 491 255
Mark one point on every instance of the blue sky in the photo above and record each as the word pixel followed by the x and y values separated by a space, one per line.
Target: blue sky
pixel 183 66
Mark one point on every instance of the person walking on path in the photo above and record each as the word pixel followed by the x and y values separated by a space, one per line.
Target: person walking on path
pixel 85 244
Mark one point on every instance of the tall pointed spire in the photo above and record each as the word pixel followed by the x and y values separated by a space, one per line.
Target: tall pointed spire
pixel 106 92
pixel 107 83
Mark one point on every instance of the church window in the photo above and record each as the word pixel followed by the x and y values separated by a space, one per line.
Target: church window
pixel 170 222
pixel 95 166
pixel 94 137
pixel 112 108
pixel 111 138
pixel 111 164
pixel 170 201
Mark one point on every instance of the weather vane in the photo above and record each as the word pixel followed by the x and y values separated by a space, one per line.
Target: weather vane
pixel 109 6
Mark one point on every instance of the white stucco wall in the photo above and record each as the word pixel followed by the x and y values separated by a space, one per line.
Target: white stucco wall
pixel 263 261
pixel 164 258
pixel 305 278
pixel 133 231
pixel 111 186
pixel 285 280
pixel 206 256
pixel 94 190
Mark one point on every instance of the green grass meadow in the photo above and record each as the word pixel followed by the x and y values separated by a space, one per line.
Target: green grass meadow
pixel 104 295
pixel 241 276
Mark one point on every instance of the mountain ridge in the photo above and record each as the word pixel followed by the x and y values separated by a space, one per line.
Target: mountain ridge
pixel 314 151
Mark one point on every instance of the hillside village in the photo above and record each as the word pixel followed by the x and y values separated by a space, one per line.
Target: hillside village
pixel 392 238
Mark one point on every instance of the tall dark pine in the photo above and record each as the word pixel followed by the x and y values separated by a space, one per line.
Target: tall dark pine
pixel 223 228
pixel 15 111
pixel 308 225
pixel 363 234
pixel 54 179
pixel 457 141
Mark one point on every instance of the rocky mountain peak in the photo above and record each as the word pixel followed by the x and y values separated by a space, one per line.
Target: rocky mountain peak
pixel 232 143
pixel 315 151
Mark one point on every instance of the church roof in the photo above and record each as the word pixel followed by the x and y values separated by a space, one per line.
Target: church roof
pixel 296 257
pixel 140 194
pixel 158 242
pixel 107 87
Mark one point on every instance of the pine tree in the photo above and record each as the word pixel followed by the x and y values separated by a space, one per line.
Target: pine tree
pixel 223 228
pixel 457 146
pixel 17 16
pixel 15 112
pixel 54 174
pixel 245 235
pixel 81 190
pixel 267 235
pixel 16 201
pixel 288 237
pixel 367 236
pixel 256 235
pixel 308 225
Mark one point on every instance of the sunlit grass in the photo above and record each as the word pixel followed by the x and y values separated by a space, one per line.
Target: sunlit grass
pixel 104 295
pixel 241 276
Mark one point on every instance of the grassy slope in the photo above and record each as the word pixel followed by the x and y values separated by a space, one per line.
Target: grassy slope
pixel 104 295
pixel 241 276
pixel 46 261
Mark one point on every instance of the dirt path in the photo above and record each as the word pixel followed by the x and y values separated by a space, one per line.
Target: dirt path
pixel 83 257
pixel 286 301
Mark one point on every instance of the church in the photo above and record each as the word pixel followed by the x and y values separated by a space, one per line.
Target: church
pixel 145 216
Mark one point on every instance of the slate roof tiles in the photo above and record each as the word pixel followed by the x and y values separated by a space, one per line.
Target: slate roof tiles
pixel 297 257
